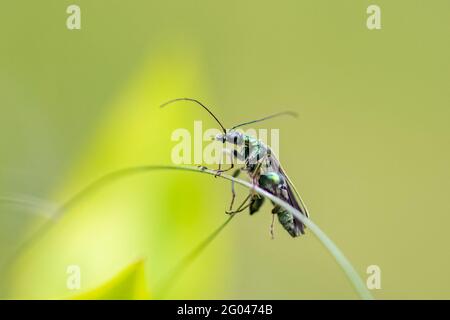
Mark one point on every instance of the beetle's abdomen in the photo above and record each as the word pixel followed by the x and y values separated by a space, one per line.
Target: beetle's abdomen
pixel 274 183
pixel 286 219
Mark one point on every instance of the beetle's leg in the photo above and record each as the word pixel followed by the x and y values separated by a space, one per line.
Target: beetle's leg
pixel 219 171
pixel 272 226
pixel 242 206
pixel 239 210
pixel 233 192
pixel 256 171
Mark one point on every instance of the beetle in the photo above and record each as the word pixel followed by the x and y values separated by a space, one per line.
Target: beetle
pixel 264 170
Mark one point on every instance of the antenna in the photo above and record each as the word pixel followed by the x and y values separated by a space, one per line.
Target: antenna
pixel 289 113
pixel 199 103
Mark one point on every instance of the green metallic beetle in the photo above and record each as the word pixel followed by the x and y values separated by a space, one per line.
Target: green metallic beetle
pixel 264 170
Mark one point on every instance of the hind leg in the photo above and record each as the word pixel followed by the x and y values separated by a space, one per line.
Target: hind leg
pixel 244 205
pixel 272 227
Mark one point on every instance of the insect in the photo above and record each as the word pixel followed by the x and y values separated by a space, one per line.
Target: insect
pixel 264 170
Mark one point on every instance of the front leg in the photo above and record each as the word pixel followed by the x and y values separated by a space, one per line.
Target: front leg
pixel 233 192
pixel 231 155
pixel 219 171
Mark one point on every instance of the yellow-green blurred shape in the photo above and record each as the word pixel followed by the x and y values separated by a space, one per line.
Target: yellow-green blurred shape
pixel 127 284
pixel 159 215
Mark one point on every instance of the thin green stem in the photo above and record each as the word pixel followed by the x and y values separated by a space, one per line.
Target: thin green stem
pixel 187 260
pixel 335 252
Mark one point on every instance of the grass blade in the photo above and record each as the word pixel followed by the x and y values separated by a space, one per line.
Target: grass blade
pixel 335 252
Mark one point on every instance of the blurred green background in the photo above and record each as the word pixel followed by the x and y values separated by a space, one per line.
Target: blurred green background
pixel 370 152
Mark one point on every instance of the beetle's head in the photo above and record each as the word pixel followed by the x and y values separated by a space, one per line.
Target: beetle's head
pixel 232 136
